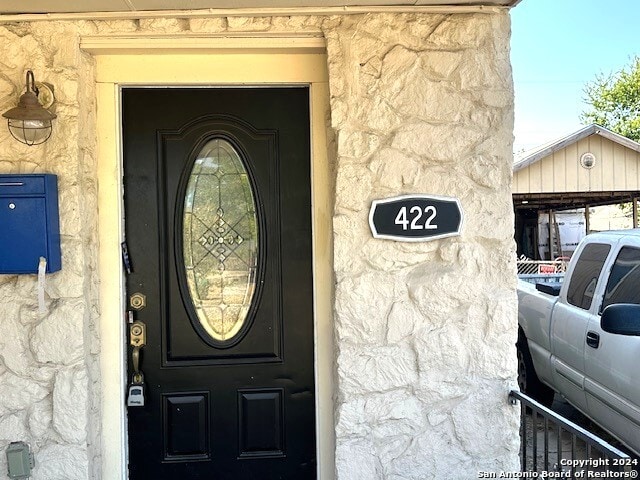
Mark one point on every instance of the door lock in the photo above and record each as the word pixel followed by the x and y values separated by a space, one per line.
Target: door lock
pixel 138 301
pixel 138 334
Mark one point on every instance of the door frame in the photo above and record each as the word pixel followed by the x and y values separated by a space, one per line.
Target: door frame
pixel 205 62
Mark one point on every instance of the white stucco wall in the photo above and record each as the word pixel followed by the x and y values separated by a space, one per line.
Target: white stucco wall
pixel 421 103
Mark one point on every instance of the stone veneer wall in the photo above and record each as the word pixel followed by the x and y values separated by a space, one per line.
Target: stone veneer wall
pixel 421 103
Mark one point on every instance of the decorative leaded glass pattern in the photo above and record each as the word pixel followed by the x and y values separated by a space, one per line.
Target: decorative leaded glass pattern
pixel 220 238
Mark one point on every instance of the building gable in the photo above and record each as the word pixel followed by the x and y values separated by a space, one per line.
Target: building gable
pixel 557 167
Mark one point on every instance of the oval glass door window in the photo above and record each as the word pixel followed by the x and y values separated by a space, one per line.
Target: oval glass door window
pixel 220 238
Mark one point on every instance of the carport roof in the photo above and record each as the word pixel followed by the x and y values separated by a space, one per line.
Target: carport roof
pixel 538 153
pixel 557 186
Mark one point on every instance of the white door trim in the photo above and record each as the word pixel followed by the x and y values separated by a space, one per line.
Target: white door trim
pixel 213 62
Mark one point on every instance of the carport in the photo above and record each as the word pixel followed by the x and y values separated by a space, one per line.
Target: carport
pixel 588 168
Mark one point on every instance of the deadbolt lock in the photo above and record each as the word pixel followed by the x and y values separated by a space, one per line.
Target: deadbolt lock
pixel 138 334
pixel 138 301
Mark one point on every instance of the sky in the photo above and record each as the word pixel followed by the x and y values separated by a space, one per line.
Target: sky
pixel 557 47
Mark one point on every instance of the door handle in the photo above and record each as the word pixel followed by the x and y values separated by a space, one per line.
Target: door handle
pixel 593 339
pixel 137 339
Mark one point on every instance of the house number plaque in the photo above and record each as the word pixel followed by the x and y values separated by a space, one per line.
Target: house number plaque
pixel 415 218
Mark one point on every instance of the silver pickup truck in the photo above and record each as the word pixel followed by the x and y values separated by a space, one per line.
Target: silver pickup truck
pixel 581 338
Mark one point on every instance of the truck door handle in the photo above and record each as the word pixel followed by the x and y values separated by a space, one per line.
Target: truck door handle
pixel 593 339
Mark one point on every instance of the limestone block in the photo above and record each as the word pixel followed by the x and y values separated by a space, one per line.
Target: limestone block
pixel 440 65
pixel 439 292
pixel 497 98
pixel 397 65
pixel 369 369
pixel 481 219
pixel 462 31
pixel 414 30
pixel 18 393
pixel 7 166
pixel 496 356
pixel 402 321
pixel 56 462
pixel 394 257
pixel 27 166
pixel 335 63
pixel 111 26
pixel 69 281
pixel 356 144
pixel 472 414
pixel 207 25
pixel 40 417
pixel 407 86
pixel 436 141
pixel 479 71
pixel 394 170
pixel 356 460
pixel 17 50
pixel 337 84
pixel 13 428
pixel 364 52
pixel 381 416
pixel 30 314
pixel 372 67
pixel 446 349
pixel 488 171
pixel 376 114
pixel 424 458
pixel 362 306
pixel 339 111
pixel 59 339
pixel 65 167
pixel 66 91
pixel 296 23
pixel 348 232
pixel 8 93
pixel 164 25
pixel 67 54
pixel 14 344
pixel 253 24
pixel 70 405
pixel 71 219
pixel 353 187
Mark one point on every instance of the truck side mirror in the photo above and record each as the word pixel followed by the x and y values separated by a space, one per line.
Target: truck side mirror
pixel 621 319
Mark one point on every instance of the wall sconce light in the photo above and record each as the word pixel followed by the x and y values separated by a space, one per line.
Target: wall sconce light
pixel 30 122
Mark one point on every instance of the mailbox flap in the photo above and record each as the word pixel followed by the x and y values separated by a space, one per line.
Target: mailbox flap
pixel 11 185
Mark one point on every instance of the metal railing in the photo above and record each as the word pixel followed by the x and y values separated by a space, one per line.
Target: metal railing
pixel 551 443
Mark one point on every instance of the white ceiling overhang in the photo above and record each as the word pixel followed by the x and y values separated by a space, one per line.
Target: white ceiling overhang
pixel 13 7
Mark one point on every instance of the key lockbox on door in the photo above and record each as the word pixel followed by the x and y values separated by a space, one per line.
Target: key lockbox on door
pixel 29 223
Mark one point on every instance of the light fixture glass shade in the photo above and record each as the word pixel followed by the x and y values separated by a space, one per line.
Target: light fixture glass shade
pixel 29 122
pixel 30 132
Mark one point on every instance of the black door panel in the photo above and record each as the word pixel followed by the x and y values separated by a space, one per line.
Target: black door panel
pixel 217 407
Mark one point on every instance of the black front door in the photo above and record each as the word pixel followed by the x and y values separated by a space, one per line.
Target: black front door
pixel 218 228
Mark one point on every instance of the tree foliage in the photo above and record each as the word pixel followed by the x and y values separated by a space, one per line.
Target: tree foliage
pixel 615 101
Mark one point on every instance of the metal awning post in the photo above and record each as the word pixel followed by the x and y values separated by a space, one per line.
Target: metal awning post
pixel 587 219
pixel 550 235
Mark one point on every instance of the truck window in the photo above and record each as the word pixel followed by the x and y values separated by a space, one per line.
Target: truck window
pixel 624 279
pixel 584 278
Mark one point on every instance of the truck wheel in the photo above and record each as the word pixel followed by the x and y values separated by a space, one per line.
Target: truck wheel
pixel 528 381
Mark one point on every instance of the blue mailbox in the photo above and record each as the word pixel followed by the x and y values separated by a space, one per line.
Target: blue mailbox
pixel 29 223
